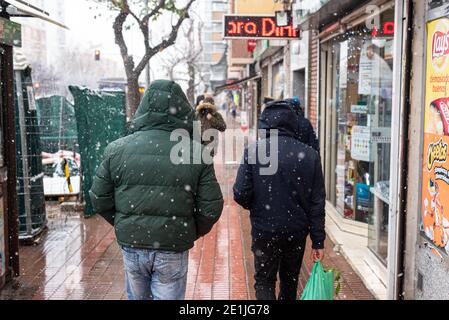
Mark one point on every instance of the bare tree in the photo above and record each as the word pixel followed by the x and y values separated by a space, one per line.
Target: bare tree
pixel 142 14
pixel 186 54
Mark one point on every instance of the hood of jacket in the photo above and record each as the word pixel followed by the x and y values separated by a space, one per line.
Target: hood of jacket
pixel 163 107
pixel 206 106
pixel 280 115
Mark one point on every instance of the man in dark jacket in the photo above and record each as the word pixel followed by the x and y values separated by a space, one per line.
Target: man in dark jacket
pixel 305 129
pixel 284 207
pixel 159 208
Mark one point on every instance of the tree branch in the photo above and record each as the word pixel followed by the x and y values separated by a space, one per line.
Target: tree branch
pixel 184 14
pixel 156 10
pixel 120 40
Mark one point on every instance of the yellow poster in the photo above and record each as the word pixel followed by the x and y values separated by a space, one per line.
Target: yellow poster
pixel 435 186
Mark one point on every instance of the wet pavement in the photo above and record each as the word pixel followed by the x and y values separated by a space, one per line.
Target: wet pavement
pixel 78 258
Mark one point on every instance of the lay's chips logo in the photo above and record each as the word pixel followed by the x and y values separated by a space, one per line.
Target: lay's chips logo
pixel 439 53
pixel 440 44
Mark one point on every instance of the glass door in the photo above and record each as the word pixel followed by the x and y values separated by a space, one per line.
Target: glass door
pixel 357 110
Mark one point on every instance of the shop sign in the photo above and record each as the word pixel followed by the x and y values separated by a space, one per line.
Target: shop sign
pixel 435 171
pixel 359 108
pixel 251 45
pixel 387 29
pixel 256 27
pixel 10 33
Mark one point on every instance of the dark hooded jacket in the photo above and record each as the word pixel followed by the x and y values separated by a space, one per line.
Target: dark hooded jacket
pixel 305 129
pixel 307 133
pixel 290 202
pixel 155 203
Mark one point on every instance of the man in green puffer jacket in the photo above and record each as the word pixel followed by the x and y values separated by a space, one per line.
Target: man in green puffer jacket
pixel 158 208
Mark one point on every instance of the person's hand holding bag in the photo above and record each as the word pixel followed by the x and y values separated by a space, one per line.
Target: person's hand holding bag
pixel 317 255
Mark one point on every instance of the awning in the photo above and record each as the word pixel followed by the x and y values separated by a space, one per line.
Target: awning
pixel 331 12
pixel 24 9
pixel 235 83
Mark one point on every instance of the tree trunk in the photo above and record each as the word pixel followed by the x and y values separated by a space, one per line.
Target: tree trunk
pixel 191 88
pixel 132 97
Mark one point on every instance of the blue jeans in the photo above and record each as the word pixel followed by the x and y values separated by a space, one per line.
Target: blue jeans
pixel 155 274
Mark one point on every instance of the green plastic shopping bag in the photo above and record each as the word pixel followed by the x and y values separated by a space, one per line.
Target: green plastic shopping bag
pixel 321 284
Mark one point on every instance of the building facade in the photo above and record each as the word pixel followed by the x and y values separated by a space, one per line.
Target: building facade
pixel 426 248
pixel 11 38
pixel 372 76
pixel 213 57
pixel 380 78
pixel 259 68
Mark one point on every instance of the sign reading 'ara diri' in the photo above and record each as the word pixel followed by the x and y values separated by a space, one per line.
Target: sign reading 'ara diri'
pixel 256 27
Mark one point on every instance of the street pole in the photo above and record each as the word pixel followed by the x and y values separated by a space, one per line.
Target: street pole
pixel 147 68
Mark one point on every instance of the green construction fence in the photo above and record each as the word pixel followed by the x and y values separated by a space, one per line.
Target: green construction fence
pixel 101 119
pixel 57 124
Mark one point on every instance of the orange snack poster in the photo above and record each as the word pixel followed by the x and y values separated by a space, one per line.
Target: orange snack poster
pixel 435 182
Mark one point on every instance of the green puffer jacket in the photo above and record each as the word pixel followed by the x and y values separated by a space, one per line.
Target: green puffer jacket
pixel 157 204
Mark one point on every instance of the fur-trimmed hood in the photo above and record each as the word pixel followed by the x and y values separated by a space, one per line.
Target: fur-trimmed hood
pixel 206 106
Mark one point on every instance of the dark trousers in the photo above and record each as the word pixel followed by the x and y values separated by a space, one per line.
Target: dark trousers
pixel 273 256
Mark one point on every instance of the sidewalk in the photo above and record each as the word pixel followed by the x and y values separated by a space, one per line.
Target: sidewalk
pixel 79 259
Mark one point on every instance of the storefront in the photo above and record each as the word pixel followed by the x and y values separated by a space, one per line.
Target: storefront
pixel 278 81
pixel 273 68
pixel 358 67
pixel 427 233
pixel 357 118
pixel 383 76
pixel 244 95
pixel 10 36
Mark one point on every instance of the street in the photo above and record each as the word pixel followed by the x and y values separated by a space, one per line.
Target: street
pixel 78 258
pixel 215 149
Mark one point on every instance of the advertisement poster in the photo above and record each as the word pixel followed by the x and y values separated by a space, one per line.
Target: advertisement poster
pixel 435 185
pixel 375 74
pixel 366 69
pixel 363 197
pixel 361 143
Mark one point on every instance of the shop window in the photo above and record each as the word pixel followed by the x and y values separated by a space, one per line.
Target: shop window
pixel 361 128
pixel 265 92
pixel 278 83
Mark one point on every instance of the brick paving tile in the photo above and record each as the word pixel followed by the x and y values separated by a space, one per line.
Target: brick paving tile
pixel 79 258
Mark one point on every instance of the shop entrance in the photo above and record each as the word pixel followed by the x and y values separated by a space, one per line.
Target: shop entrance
pixel 299 85
pixel 356 111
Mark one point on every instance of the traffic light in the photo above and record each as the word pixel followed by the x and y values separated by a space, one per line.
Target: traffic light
pixel 97 55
